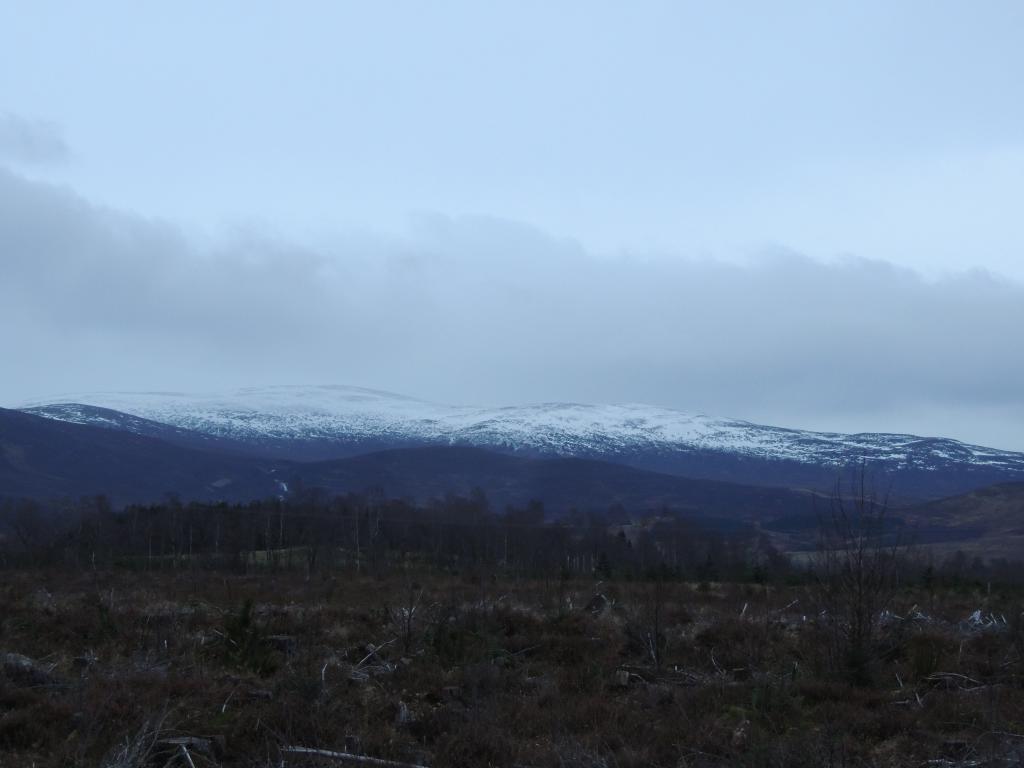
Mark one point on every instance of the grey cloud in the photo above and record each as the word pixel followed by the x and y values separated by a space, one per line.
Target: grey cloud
pixel 32 142
pixel 490 311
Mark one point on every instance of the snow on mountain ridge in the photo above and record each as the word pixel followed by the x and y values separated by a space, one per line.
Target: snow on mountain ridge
pixel 304 413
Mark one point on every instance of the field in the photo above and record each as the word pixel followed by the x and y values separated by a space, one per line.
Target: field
pixel 189 667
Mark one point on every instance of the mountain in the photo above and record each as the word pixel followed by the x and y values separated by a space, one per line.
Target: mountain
pixel 328 422
pixel 562 484
pixel 46 459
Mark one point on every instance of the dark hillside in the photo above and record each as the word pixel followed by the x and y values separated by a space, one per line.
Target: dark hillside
pixel 42 458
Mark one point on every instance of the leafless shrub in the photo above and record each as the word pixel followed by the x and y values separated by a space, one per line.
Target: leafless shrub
pixel 405 616
pixel 857 569
pixel 646 628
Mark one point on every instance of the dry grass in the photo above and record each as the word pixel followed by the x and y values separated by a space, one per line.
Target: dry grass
pixel 490 672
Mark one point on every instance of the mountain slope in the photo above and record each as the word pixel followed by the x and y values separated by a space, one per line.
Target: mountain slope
pixel 562 484
pixel 45 459
pixel 315 423
pixel 993 512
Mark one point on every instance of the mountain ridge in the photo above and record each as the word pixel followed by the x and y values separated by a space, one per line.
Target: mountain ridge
pixel 50 460
pixel 308 423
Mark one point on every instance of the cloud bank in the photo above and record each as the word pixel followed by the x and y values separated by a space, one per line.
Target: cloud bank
pixel 31 142
pixel 477 310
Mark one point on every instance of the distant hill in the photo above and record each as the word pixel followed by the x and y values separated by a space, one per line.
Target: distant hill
pixel 329 422
pixel 46 459
pixel 562 484
pixel 988 521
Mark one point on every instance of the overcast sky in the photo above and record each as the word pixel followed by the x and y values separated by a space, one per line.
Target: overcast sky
pixel 806 214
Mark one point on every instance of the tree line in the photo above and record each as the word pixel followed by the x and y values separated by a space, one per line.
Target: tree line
pixel 369 532
pixel 314 531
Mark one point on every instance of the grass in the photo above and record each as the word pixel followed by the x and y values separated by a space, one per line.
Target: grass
pixel 491 672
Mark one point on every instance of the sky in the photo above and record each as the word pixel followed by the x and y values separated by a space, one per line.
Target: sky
pixel 802 214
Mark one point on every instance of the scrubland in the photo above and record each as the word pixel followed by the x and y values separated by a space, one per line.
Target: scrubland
pixel 120 668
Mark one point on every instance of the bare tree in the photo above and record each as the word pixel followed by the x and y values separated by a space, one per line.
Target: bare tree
pixel 646 628
pixel 860 550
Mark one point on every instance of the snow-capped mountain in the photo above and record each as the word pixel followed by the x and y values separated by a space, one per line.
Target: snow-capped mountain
pixel 321 422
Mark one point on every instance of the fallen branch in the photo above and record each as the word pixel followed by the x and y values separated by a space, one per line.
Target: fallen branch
pixel 523 651
pixel 373 652
pixel 787 607
pixel 361 759
pixel 952 677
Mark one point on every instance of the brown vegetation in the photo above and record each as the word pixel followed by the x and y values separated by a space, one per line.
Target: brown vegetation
pixel 131 669
pixel 357 630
